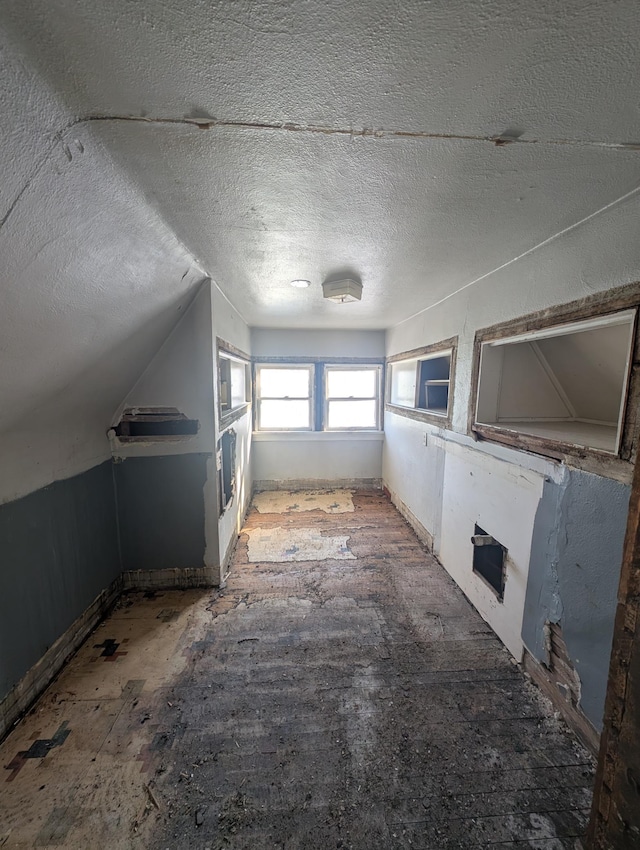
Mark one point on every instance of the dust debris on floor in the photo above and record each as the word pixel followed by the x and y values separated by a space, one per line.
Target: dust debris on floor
pixel 337 701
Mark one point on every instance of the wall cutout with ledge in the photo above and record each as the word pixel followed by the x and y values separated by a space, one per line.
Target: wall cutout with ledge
pixel 150 424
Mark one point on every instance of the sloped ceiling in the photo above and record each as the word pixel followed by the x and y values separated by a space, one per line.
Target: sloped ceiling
pixel 146 144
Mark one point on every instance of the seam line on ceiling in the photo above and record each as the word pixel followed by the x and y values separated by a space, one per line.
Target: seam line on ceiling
pixel 510 262
pixel 506 138
pixel 502 139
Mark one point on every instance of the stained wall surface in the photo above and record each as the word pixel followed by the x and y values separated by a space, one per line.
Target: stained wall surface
pixel 59 550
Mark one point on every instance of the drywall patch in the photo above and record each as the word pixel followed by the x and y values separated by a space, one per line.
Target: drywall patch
pixel 290 502
pixel 574 570
pixel 280 545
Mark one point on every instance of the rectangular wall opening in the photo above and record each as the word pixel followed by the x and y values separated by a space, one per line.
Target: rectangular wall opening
pixel 146 423
pixel 489 558
pixel 565 383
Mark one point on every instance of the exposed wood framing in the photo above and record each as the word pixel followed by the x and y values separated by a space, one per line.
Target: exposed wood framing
pixel 559 689
pixel 615 815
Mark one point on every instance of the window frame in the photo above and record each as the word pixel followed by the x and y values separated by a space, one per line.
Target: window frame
pixel 599 461
pixel 226 351
pixel 259 399
pixel 376 368
pixel 445 347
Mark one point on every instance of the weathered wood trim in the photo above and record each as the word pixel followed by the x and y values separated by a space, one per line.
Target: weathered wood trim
pixel 425 350
pixel 422 533
pixel 590 460
pixel 228 348
pixel 168 579
pixel 615 813
pixel 418 414
pixel 599 305
pixel 39 677
pixel 591 307
pixel 232 416
pixel 573 717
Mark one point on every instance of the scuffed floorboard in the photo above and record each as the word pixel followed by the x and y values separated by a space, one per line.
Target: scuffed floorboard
pixel 319 704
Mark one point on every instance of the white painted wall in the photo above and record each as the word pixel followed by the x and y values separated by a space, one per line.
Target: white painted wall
pixel 228 325
pixel 91 282
pixel 180 375
pixel 267 342
pixel 451 485
pixel 502 498
pixel 319 456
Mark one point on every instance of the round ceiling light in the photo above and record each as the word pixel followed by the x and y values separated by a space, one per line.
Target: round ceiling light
pixel 301 284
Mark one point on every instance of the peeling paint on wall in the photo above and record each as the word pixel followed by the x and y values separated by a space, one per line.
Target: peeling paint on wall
pixel 576 553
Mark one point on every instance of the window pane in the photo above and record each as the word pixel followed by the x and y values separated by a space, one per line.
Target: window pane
pixel 237 384
pixel 280 383
pixel 347 383
pixel 284 414
pixel 352 414
pixel 403 383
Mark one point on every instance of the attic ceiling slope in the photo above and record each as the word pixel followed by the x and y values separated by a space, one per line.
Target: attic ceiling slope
pixel 91 278
pixel 418 201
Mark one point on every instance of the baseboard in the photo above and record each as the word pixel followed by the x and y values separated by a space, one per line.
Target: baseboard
pixel 423 535
pixel 318 484
pixel 572 715
pixel 39 677
pixel 169 579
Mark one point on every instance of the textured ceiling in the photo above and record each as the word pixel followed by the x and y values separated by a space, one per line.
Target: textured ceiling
pixel 349 137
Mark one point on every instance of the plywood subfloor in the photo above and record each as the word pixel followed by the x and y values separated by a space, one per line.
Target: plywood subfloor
pixel 315 704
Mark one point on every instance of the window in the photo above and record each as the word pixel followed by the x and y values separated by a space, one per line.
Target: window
pixel 318 396
pixel 284 397
pixel 565 383
pixel 352 397
pixel 234 384
pixel 423 382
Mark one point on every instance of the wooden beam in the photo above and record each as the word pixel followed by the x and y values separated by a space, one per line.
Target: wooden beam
pixel 615 815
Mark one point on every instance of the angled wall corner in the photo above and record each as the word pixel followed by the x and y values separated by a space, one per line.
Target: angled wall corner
pixel 166 485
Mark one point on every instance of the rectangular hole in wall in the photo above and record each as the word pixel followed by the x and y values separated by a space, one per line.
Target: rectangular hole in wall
pixel 489 560
pixel 422 383
pixel 149 422
pixel 565 383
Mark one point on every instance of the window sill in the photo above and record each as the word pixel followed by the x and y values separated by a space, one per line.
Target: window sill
pixel 230 416
pixel 316 436
pixel 420 414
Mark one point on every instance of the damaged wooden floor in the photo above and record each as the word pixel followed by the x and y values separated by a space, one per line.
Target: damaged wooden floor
pixel 354 701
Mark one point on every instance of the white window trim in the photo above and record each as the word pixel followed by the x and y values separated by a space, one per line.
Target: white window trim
pixel 309 367
pixel 352 367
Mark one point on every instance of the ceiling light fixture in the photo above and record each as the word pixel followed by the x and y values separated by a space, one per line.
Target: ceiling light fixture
pixel 342 291
pixel 301 284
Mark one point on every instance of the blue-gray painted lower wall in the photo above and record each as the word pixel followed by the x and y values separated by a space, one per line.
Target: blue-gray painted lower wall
pixel 574 571
pixel 161 511
pixel 58 552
